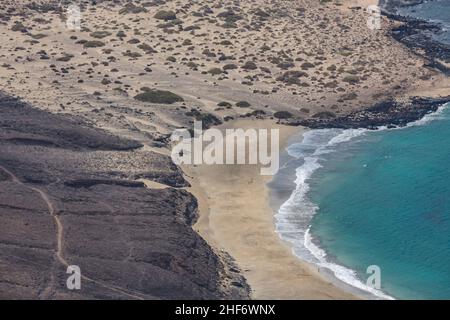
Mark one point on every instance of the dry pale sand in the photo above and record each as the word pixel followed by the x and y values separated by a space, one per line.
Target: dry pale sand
pixel 235 216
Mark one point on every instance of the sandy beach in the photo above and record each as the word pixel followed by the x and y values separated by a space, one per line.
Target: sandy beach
pixel 236 217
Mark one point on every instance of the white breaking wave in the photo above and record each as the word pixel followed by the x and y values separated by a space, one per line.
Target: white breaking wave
pixel 430 117
pixel 294 216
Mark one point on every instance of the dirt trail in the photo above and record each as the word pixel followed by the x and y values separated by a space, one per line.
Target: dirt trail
pixel 59 236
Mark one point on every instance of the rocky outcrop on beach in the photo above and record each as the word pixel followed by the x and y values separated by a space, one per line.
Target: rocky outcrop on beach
pixel 69 196
pixel 390 113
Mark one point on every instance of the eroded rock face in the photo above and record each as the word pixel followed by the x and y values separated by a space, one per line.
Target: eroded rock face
pixel 389 113
pixel 68 196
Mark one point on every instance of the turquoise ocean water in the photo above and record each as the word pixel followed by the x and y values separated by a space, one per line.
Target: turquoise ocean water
pixel 375 198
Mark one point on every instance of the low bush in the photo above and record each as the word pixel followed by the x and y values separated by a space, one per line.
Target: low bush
pixel 243 104
pixel 94 44
pixel 306 65
pixel 100 34
pixel 165 15
pixel 158 96
pixel 131 8
pixel 250 65
pixel 229 66
pixel 352 79
pixel 224 104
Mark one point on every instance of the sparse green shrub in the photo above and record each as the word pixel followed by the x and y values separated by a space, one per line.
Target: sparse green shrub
pixel 283 115
pixel 215 71
pixel 349 96
pixel 66 57
pixel 94 44
pixel 229 25
pixel 158 96
pixel 131 54
pixel 191 28
pixel 148 49
pixel 345 53
pixel 229 16
pixel 285 65
pixel 165 15
pixel 100 34
pixel 331 84
pixel 261 13
pixel 265 69
pixel 121 34
pixel 292 77
pixel 38 36
pixel 18 26
pixel 230 66
pixel 249 65
pixel 305 110
pixel 243 104
pixel 207 119
pixel 192 65
pixel 352 79
pixel 131 8
pixel 306 65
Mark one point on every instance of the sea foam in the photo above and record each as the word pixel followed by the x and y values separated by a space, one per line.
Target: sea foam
pixel 294 216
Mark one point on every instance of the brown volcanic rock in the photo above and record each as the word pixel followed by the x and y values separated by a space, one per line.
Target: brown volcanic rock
pixel 129 241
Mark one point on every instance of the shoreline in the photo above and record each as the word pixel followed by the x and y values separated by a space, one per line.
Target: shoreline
pixel 248 235
pixel 315 246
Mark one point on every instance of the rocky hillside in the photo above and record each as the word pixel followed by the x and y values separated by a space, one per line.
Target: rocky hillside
pixel 70 195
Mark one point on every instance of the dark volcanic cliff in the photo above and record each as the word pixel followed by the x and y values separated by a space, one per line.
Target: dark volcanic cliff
pixel 69 196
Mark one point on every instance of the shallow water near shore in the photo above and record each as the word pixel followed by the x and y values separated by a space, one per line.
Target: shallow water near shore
pixel 365 198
